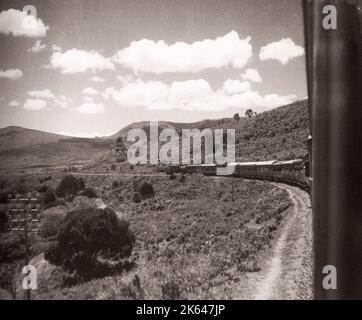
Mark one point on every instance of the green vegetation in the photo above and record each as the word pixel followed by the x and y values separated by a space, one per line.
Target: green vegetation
pixel 92 243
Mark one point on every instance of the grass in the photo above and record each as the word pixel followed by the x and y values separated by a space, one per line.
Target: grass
pixel 189 235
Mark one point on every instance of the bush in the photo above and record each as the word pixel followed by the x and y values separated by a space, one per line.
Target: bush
pixel 115 184
pixel 89 193
pixel 172 176
pixel 81 183
pixel 50 225
pixel 146 190
pixel 49 197
pixel 69 185
pixel 92 243
pixel 4 197
pixel 3 220
pixel 113 167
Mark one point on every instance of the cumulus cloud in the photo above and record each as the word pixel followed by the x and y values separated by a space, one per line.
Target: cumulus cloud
pixel 283 50
pixel 159 57
pixel 37 47
pixel 12 74
pixel 90 91
pixel 75 61
pixel 62 101
pixel 59 100
pixel 18 23
pixel 90 108
pixel 236 86
pixel 44 94
pixel 13 103
pixel 251 75
pixel 97 79
pixel 192 95
pixel 35 104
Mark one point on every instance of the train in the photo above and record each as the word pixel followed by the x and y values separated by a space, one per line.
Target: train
pixel 295 172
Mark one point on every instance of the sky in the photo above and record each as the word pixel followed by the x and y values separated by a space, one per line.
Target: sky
pixel 89 67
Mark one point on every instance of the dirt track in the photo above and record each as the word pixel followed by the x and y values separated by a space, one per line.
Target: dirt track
pixel 286 268
pixel 288 273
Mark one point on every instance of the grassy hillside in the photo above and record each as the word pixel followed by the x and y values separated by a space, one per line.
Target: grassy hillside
pixel 191 235
pixel 22 148
pixel 276 134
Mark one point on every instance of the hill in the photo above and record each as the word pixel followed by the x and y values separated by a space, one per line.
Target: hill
pixel 275 134
pixel 22 148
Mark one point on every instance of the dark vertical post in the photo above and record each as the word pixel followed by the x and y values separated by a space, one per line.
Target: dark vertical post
pixel 334 60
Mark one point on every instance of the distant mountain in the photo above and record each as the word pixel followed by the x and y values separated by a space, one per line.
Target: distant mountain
pixel 26 148
pixel 18 137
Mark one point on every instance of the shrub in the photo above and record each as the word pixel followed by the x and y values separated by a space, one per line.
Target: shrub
pixel 50 225
pixel 146 190
pixel 113 167
pixel 172 176
pixel 42 189
pixel 4 197
pixel 115 184
pixel 89 193
pixel 49 197
pixel 3 220
pixel 92 243
pixel 81 183
pixel 69 185
pixel 11 247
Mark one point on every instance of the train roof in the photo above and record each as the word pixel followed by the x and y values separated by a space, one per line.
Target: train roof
pixel 254 163
pixel 288 162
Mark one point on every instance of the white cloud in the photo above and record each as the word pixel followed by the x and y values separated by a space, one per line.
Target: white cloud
pixel 236 86
pixel 192 95
pixel 18 23
pixel 283 50
pixel 251 75
pixel 13 103
pixel 159 57
pixel 90 91
pixel 74 61
pixel 44 94
pixel 90 108
pixel 56 48
pixel 125 79
pixel 88 99
pixel 84 134
pixel 34 104
pixel 273 100
pixel 97 79
pixel 37 47
pixel 12 74
pixel 62 101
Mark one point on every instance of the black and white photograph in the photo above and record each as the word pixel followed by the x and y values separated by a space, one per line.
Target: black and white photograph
pixel 180 150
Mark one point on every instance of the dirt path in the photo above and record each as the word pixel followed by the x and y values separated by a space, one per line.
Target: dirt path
pixel 286 268
pixel 288 274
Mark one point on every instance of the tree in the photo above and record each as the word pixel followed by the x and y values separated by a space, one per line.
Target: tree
pixel 236 117
pixel 249 113
pixel 69 185
pixel 92 243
